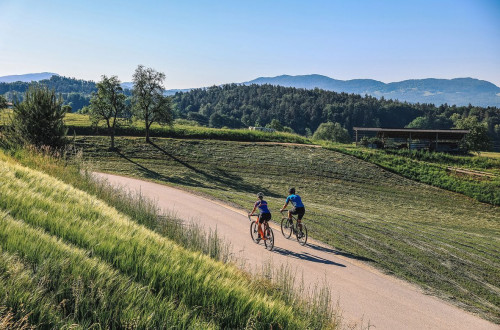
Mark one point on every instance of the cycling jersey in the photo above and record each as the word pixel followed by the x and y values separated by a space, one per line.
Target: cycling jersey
pixel 295 199
pixel 262 205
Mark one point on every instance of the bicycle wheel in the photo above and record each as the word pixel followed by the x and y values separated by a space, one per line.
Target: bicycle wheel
pixel 286 227
pixel 302 236
pixel 269 242
pixel 254 232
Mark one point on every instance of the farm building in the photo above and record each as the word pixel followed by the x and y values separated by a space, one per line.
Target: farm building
pixel 263 129
pixel 445 140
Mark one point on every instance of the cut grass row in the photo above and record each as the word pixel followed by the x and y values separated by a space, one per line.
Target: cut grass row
pixel 79 261
pixel 443 241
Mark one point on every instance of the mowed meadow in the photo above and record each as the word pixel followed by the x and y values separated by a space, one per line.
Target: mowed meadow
pixel 70 259
pixel 443 241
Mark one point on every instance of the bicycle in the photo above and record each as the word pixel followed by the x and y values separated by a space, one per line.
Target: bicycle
pixel 289 226
pixel 268 233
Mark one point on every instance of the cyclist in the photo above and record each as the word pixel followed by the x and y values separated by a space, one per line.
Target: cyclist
pixel 264 215
pixel 298 208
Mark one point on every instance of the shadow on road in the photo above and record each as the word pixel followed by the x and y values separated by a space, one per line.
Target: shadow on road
pixel 338 253
pixel 305 256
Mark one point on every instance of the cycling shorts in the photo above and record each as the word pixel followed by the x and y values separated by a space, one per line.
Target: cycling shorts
pixel 299 211
pixel 264 217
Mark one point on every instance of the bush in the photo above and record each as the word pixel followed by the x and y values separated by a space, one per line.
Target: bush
pixel 38 119
pixel 332 132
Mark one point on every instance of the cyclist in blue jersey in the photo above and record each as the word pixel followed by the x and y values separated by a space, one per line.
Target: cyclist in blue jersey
pixel 298 208
pixel 264 213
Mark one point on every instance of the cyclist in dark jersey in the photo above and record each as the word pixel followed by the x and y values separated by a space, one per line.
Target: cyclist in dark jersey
pixel 264 213
pixel 298 207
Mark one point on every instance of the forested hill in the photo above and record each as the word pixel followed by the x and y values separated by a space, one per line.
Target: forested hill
pixel 75 92
pixel 302 109
pixel 459 91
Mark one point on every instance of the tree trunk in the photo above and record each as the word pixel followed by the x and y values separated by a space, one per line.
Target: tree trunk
pixel 147 134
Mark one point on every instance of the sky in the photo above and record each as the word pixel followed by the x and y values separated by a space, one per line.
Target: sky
pixel 204 43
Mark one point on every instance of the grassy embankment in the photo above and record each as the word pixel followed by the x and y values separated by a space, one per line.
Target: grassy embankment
pixel 68 258
pixel 443 241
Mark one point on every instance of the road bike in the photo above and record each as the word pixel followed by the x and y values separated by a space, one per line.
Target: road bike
pixel 268 233
pixel 289 226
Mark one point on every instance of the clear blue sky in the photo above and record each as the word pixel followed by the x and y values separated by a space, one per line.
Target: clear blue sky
pixel 202 43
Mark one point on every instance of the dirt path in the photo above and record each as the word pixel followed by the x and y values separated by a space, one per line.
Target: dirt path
pixel 362 291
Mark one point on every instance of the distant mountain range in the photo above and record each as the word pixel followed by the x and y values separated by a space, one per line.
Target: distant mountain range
pixel 29 77
pixel 459 91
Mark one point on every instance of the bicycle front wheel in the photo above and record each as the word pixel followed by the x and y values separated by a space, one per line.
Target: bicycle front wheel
pixel 286 227
pixel 302 235
pixel 254 232
pixel 269 242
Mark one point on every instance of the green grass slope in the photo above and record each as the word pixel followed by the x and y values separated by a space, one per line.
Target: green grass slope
pixel 443 241
pixel 69 259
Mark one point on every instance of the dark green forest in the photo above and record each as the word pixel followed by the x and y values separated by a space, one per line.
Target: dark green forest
pixel 75 92
pixel 304 110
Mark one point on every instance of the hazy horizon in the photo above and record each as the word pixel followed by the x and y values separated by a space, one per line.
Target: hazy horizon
pixel 202 43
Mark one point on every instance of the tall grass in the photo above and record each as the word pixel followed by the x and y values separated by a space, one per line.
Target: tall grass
pixel 210 290
pixel 59 283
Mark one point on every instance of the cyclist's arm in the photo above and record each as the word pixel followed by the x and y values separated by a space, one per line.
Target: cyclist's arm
pixel 255 207
pixel 284 206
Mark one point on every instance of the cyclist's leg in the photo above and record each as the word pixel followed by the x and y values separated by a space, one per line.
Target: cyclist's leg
pixel 261 232
pixel 299 219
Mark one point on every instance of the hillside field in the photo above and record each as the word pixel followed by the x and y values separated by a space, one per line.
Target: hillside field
pixel 443 241
pixel 68 259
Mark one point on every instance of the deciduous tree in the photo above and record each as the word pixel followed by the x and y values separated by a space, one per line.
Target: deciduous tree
pixel 107 104
pixel 332 132
pixel 149 104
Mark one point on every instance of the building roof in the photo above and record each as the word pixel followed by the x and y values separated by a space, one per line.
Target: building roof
pixel 415 133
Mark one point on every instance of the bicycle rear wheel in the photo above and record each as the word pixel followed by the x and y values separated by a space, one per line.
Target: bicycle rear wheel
pixel 286 227
pixel 302 235
pixel 254 232
pixel 269 242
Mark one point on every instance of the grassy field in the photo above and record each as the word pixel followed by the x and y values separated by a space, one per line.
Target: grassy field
pixel 80 125
pixel 443 241
pixel 68 259
pixel 474 176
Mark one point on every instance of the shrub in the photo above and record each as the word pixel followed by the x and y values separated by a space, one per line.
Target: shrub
pixel 38 119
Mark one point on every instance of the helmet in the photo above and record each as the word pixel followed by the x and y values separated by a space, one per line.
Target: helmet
pixel 260 195
pixel 291 191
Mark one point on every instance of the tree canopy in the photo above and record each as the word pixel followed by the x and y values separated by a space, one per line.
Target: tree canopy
pixel 149 104
pixel 107 104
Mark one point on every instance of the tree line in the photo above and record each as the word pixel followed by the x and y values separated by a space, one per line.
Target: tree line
pixel 305 110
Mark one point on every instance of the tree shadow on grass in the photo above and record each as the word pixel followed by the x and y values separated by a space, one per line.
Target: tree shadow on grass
pixel 305 256
pixel 338 253
pixel 150 174
pixel 225 178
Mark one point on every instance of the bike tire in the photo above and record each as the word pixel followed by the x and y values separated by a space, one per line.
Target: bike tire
pixel 286 228
pixel 269 242
pixel 254 232
pixel 302 240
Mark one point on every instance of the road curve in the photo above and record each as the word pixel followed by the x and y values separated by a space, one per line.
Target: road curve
pixel 364 293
